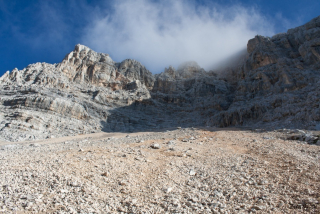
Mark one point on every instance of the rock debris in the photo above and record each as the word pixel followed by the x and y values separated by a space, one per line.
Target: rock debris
pixel 232 174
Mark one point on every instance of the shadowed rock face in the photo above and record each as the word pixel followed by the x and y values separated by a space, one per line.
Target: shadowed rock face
pixel 276 84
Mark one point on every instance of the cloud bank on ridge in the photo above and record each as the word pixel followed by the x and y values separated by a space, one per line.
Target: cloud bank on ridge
pixel 159 34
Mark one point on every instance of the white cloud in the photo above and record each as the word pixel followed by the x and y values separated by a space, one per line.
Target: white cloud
pixel 159 34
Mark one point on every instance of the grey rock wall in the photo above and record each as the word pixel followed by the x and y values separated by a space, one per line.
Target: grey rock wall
pixel 277 82
pixel 276 85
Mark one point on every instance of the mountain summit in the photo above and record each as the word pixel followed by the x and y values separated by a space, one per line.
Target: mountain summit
pixel 275 85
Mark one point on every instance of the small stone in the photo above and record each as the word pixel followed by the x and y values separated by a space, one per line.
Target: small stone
pixel 262 182
pixel 155 146
pixel 139 159
pixel 74 184
pixel 222 206
pixel 259 207
pixel 26 197
pixel 28 205
pixel 192 172
pixel 122 183
pixel 104 174
pixel 171 142
pixel 64 191
pixel 281 204
pixel 175 202
pixel 214 205
pixel 217 193
pixel 123 191
pixel 168 190
pixel 251 182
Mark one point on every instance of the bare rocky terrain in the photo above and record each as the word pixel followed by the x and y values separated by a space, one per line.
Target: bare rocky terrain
pixel 275 84
pixel 175 171
pixel 90 135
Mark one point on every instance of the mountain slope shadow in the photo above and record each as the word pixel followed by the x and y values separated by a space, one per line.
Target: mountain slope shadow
pixel 167 111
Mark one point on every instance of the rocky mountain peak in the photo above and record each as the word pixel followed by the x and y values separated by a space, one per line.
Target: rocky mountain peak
pixel 190 69
pixel 79 47
pixel 4 77
pixel 274 84
pixel 85 54
pixel 170 72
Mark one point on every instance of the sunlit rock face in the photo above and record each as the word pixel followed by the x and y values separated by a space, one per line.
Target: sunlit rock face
pixel 275 85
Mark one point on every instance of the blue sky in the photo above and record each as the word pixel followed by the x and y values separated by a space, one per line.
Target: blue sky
pixel 156 33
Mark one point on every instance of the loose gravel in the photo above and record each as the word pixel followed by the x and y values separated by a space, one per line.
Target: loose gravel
pixel 175 171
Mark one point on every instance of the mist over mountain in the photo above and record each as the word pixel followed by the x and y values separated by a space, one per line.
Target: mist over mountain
pixel 156 33
pixel 166 33
pixel 159 106
pixel 273 84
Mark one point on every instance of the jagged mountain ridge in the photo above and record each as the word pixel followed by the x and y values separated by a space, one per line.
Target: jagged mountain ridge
pixel 275 85
pixel 88 92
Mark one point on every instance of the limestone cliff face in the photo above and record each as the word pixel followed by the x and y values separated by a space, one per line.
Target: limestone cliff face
pixel 279 79
pixel 75 96
pixel 275 85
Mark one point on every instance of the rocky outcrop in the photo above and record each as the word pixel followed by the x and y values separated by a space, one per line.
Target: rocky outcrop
pixel 277 81
pixel 275 84
pixel 133 70
pixel 75 96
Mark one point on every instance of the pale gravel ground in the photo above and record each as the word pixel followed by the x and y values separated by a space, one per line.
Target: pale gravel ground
pixel 217 171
